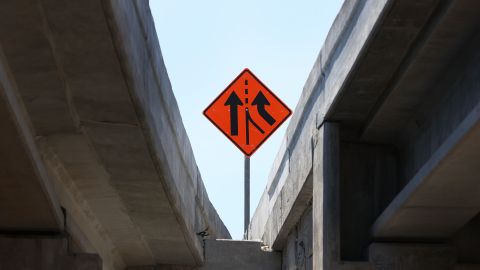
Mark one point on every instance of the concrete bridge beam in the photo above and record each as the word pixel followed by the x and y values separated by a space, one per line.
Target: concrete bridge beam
pixel 29 201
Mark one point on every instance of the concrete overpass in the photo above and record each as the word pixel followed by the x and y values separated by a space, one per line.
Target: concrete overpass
pixel 90 125
pixel 379 168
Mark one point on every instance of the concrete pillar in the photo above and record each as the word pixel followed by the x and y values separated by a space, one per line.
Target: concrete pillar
pixel 326 211
pixel 386 256
pixel 368 182
pixel 43 253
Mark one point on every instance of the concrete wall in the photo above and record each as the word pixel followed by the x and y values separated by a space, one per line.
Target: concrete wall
pixel 239 255
pixel 221 254
pixel 454 96
pixel 439 157
pixel 298 250
pixel 43 253
pixel 368 183
pixel 467 242
pixel 412 257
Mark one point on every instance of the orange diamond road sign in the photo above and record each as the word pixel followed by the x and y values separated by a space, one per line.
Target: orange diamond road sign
pixel 247 112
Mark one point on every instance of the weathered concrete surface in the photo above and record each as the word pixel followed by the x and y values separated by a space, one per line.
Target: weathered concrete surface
pixel 221 254
pixel 432 61
pixel 79 178
pixel 400 79
pixel 467 266
pixel 163 267
pixel 443 196
pixel 20 253
pixel 91 79
pixel 28 200
pixel 363 171
pixel 298 250
pixel 441 157
pixel 412 257
pixel 239 255
pixel 344 44
pixel 170 148
pixel 466 241
pixel 326 197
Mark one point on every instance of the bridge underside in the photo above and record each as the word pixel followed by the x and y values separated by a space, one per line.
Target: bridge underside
pixel 418 94
pixel 90 124
pixel 380 164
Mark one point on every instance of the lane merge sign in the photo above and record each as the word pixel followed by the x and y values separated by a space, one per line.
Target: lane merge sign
pixel 247 112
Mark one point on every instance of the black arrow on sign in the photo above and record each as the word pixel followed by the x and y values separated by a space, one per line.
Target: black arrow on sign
pixel 260 100
pixel 233 101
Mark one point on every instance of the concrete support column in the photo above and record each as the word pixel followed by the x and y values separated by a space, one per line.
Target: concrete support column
pixel 326 206
pixel 42 253
pixel 385 256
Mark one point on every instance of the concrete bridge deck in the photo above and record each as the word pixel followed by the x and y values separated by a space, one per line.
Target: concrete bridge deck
pixel 383 146
pixel 90 123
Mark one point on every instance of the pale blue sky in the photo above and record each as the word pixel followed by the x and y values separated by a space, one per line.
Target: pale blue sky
pixel 205 45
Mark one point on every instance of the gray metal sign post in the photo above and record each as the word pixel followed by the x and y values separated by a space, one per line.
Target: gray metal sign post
pixel 247 196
